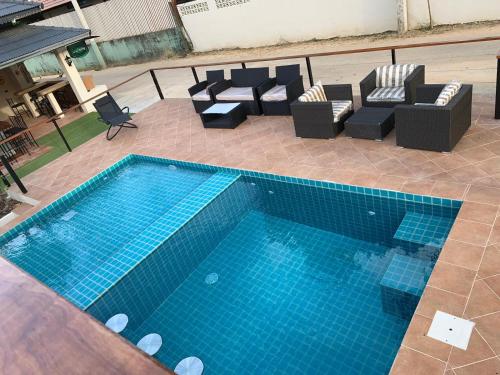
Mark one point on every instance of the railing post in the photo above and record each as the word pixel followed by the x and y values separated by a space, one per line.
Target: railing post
pixel 62 135
pixel 497 101
pixel 13 174
pixel 393 56
pixel 243 65
pixel 4 179
pixel 309 71
pixel 195 75
pixel 157 85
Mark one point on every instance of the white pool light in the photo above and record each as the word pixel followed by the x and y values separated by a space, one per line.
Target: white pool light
pixel 172 167
pixel 117 323
pixel 189 366
pixel 150 344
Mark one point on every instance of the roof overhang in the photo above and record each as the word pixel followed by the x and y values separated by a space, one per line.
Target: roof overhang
pixel 15 9
pixel 24 42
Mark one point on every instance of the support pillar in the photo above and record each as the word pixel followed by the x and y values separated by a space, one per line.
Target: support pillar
pixel 85 25
pixel 75 80
pixel 402 13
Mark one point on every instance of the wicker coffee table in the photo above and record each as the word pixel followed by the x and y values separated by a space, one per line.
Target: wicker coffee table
pixel 370 123
pixel 223 115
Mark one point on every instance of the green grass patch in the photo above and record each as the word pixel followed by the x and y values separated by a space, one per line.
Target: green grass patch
pixel 76 133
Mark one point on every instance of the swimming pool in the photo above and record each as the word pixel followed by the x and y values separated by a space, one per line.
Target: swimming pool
pixel 251 272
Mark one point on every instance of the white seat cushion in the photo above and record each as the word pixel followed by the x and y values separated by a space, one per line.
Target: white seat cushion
pixel 387 94
pixel 340 108
pixel 276 94
pixel 236 94
pixel 201 96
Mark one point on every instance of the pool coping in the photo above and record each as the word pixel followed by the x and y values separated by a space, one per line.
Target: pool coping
pixel 424 350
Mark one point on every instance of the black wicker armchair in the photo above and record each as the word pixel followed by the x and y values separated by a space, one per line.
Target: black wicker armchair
pixel 277 94
pixel 317 119
pixel 390 85
pixel 430 127
pixel 243 87
pixel 201 93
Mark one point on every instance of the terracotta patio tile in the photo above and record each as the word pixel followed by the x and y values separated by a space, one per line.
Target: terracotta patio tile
pixel 450 161
pixel 462 254
pixel 411 362
pixel 470 232
pixel 483 194
pixel 494 284
pixel 489 366
pixel 449 190
pixel 490 166
pixel 436 299
pixel 423 187
pixel 477 350
pixel 490 264
pixel 390 182
pixel 495 233
pixel 482 301
pixel 494 147
pixel 483 213
pixel 488 328
pixel 476 154
pixel 452 278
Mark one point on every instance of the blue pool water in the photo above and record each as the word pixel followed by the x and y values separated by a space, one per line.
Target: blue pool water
pixel 252 273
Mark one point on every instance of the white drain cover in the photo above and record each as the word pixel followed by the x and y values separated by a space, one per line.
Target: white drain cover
pixel 117 323
pixel 68 215
pixel 189 366
pixel 451 330
pixel 150 344
pixel 211 278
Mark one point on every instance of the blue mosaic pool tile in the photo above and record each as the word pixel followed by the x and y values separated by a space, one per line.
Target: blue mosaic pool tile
pixel 403 284
pixel 90 288
pixel 424 229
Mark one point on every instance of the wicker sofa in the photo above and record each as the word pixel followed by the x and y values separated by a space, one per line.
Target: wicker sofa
pixel 317 119
pixel 243 87
pixel 429 127
pixel 278 93
pixel 201 93
pixel 388 86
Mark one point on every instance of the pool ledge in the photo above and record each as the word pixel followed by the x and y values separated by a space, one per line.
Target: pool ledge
pixel 88 290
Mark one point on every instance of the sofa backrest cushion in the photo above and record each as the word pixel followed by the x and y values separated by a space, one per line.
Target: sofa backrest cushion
pixel 393 75
pixel 214 76
pixel 287 73
pixel 449 91
pixel 314 94
pixel 250 77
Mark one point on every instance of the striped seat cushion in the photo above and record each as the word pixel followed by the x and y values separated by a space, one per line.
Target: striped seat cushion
pixel 276 94
pixel 449 91
pixel 393 75
pixel 340 108
pixel 314 94
pixel 387 94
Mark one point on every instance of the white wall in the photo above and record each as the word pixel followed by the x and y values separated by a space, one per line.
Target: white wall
pixel 249 23
pixel 447 12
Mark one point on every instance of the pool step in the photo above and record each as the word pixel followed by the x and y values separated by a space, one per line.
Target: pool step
pixel 121 262
pixel 403 284
pixel 422 229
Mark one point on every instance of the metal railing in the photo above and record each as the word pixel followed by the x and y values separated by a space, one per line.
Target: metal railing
pixel 392 48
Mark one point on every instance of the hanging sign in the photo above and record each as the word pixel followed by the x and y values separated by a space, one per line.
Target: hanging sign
pixel 78 49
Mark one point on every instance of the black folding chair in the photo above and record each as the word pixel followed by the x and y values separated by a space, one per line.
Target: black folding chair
pixel 113 116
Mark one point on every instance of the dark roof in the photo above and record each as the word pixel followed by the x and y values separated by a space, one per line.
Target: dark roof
pixel 23 42
pixel 16 9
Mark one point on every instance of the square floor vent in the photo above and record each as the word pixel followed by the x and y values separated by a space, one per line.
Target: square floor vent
pixel 451 330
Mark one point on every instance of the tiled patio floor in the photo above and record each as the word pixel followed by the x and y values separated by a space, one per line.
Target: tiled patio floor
pixel 466 279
